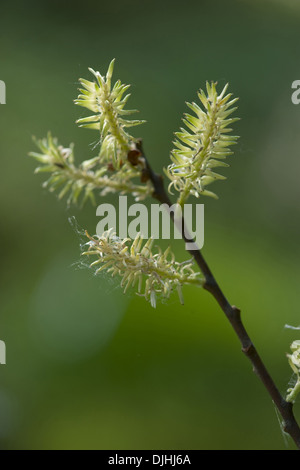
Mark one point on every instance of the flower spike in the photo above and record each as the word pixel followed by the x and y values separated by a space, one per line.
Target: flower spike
pixel 85 179
pixel 136 264
pixel 204 145
pixel 110 116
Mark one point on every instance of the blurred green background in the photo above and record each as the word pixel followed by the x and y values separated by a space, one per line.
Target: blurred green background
pixel 90 368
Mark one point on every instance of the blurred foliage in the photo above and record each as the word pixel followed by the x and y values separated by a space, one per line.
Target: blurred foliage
pixel 86 366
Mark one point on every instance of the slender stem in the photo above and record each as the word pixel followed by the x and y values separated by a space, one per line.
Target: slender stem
pixel 233 314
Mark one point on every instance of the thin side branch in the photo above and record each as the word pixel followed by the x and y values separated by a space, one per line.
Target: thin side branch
pixel 233 315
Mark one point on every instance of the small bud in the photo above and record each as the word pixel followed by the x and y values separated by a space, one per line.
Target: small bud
pixel 110 167
pixel 133 156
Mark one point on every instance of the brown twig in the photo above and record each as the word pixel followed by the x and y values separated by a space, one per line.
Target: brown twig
pixel 233 314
